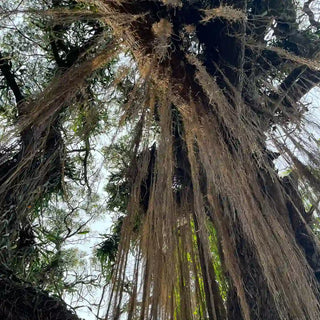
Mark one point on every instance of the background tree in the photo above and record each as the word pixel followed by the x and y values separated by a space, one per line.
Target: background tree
pixel 41 212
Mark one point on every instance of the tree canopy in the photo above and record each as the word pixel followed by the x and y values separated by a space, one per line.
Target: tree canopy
pixel 191 124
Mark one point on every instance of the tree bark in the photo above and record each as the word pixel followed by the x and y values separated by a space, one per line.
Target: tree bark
pixel 21 301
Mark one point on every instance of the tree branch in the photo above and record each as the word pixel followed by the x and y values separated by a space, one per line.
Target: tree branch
pixel 298 83
pixel 306 9
pixel 6 70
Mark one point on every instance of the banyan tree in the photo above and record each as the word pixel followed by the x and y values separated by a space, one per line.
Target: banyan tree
pixel 218 98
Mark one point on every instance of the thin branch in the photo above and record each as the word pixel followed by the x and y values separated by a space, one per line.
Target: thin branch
pixel 306 9
pixel 6 69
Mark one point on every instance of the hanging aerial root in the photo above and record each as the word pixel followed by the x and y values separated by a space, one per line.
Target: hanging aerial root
pixel 236 182
pixel 225 12
pixel 58 94
pixel 311 63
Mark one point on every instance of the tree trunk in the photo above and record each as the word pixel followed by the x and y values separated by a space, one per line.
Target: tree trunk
pixel 21 301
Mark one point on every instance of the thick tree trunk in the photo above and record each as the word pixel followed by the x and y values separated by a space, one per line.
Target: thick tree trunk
pixel 258 277
pixel 260 300
pixel 21 301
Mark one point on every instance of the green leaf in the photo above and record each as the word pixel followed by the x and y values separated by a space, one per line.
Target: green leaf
pixel 83 232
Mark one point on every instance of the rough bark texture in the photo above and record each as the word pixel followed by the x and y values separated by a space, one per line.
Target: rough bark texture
pixel 21 301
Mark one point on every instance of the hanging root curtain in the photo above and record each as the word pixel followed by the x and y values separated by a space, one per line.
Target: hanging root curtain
pixel 211 180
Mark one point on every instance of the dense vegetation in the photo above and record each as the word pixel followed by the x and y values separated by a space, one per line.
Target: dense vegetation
pixel 191 124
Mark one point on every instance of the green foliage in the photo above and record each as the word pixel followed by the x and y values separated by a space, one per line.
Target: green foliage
pixel 218 268
pixel 118 187
pixel 107 250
